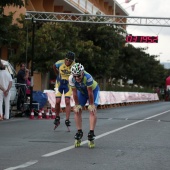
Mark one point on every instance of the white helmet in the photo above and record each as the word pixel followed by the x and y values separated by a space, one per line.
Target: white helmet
pixel 77 68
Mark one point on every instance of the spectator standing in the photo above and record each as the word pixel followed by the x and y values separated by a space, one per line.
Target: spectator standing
pixel 5 86
pixel 21 84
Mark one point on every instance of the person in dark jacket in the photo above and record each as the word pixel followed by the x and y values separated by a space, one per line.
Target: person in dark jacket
pixel 21 85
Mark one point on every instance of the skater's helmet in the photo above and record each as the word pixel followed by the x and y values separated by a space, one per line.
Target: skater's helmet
pixel 70 55
pixel 77 69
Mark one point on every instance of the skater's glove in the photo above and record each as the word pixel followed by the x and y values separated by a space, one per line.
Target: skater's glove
pixel 92 108
pixel 77 108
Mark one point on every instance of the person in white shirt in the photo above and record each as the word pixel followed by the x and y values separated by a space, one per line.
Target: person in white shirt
pixel 5 86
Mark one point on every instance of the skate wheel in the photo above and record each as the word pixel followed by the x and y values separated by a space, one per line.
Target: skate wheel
pixel 56 126
pixel 91 144
pixel 77 143
pixel 68 129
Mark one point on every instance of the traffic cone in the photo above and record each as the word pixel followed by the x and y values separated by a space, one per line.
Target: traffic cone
pixel 53 114
pixel 47 114
pixel 43 113
pixel 32 114
pixel 40 114
pixel 50 113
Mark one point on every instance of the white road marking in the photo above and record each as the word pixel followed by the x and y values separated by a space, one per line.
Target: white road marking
pixel 82 143
pixel 23 165
pixel 102 135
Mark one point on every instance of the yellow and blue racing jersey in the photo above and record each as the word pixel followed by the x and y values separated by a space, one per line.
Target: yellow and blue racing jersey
pixel 64 71
pixel 87 81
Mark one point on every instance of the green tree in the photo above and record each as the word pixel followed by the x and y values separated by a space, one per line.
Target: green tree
pixel 139 66
pixel 105 42
pixel 9 31
pixel 100 48
pixel 52 41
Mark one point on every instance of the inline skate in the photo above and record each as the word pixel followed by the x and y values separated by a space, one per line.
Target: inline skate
pixel 67 123
pixel 78 138
pixel 91 138
pixel 56 122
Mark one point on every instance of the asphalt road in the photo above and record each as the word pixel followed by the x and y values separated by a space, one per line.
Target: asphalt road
pixel 135 137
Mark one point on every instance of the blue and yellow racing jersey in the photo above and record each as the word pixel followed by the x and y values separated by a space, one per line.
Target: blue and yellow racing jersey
pixel 87 81
pixel 64 71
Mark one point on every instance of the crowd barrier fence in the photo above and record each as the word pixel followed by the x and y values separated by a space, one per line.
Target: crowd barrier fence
pixel 109 98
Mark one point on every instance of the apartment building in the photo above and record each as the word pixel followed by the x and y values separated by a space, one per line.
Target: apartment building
pixel 106 7
pixel 103 7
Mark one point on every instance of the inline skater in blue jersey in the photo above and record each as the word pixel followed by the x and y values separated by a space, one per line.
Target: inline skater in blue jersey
pixel 84 89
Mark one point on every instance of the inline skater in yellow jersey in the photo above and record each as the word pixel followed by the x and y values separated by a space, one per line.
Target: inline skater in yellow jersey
pixel 84 88
pixel 62 70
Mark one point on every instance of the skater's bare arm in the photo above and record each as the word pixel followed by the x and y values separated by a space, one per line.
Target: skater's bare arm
pixel 56 71
pixel 75 97
pixel 90 94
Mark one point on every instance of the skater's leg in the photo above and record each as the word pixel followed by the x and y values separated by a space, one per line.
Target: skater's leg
pixel 93 120
pixel 58 96
pixel 78 110
pixel 67 93
pixel 93 110
pixel 78 119
pixel 57 111
pixel 68 108
pixel 57 106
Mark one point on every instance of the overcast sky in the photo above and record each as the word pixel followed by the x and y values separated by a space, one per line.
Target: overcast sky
pixel 151 8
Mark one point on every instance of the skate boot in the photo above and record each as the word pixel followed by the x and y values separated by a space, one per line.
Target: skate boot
pixel 91 138
pixel 67 123
pixel 78 138
pixel 56 122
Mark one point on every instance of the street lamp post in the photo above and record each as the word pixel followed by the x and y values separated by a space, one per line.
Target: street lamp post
pixel 26 48
pixel 32 64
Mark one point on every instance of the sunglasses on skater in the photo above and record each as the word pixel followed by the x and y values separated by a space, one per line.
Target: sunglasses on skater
pixel 68 60
pixel 77 76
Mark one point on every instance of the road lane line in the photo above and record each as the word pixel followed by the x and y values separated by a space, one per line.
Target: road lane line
pixel 102 135
pixel 23 165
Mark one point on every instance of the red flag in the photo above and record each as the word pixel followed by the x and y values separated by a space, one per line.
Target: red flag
pixel 133 7
pixel 127 1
